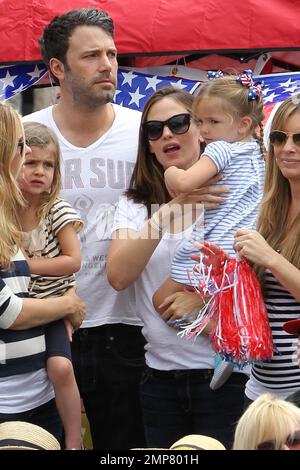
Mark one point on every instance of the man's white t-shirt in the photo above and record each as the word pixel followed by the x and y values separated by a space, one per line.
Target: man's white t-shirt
pixel 93 179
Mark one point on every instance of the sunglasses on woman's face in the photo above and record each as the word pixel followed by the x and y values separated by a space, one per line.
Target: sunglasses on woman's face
pixel 21 145
pixel 178 124
pixel 292 440
pixel 279 138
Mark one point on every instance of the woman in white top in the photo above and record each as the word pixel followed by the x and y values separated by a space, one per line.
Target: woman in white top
pixel 175 394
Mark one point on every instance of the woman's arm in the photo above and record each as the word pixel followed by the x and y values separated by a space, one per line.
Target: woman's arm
pixel 131 250
pixel 253 246
pixel 160 298
pixel 36 312
pixel 68 262
pixel 173 302
pixel 184 181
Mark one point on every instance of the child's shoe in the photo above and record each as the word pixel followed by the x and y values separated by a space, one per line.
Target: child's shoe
pixel 222 372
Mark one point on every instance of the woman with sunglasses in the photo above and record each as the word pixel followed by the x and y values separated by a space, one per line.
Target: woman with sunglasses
pixel 269 423
pixel 175 384
pixel 25 391
pixel 275 250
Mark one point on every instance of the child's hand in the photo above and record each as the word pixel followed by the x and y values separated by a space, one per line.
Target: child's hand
pixel 70 329
pixel 214 255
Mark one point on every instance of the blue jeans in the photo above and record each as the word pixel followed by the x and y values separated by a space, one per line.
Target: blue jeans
pixel 45 416
pixel 108 361
pixel 177 403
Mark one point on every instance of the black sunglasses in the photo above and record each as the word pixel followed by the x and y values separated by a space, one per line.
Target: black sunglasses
pixel 292 440
pixel 280 138
pixel 178 124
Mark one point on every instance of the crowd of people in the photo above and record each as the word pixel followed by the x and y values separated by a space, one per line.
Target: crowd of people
pixel 139 190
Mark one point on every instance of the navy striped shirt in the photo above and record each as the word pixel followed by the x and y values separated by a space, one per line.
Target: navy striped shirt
pixel 282 372
pixel 23 350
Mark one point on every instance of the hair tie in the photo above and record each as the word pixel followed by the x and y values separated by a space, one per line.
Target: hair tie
pixel 254 89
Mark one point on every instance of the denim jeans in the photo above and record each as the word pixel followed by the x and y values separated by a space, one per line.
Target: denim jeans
pixel 177 403
pixel 108 361
pixel 45 416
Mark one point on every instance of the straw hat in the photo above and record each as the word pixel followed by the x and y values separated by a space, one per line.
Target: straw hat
pixel 18 435
pixel 192 442
pixel 197 442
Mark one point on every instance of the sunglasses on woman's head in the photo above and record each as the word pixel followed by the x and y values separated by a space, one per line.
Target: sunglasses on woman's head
pixel 292 440
pixel 279 138
pixel 178 124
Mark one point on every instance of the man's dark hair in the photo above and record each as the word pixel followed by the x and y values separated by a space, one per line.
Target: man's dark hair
pixel 54 41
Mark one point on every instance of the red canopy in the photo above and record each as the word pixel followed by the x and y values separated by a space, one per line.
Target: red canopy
pixel 163 27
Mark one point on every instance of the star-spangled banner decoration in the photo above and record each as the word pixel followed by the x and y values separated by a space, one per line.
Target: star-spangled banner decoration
pixel 16 78
pixel 134 87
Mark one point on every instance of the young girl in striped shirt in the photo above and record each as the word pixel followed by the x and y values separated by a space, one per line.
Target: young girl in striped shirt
pixel 52 247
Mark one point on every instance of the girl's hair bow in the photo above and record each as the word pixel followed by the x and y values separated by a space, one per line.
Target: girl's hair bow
pixel 254 89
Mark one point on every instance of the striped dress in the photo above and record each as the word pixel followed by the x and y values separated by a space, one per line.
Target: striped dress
pixel 43 242
pixel 281 375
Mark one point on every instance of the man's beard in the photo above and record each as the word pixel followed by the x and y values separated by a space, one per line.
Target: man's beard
pixel 87 97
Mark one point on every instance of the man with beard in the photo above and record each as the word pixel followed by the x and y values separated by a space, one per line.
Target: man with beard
pixel 98 142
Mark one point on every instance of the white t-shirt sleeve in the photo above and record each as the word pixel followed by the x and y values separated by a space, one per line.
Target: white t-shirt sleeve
pixel 10 306
pixel 220 153
pixel 129 215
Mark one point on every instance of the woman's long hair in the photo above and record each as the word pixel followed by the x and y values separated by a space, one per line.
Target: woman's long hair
pixel 275 205
pixel 10 195
pixel 147 185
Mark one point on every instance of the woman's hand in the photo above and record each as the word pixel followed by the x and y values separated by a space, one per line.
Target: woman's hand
pixel 76 307
pixel 184 209
pixel 211 195
pixel 180 304
pixel 251 245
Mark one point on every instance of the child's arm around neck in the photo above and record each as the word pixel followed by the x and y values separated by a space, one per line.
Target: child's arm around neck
pixel 185 181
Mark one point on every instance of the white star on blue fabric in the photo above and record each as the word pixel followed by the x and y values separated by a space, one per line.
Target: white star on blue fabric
pixel 136 97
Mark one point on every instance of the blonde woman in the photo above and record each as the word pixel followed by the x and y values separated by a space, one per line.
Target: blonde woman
pixel 274 249
pixel 25 391
pixel 269 423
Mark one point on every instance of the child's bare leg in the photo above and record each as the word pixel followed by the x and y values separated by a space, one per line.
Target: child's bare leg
pixel 61 374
